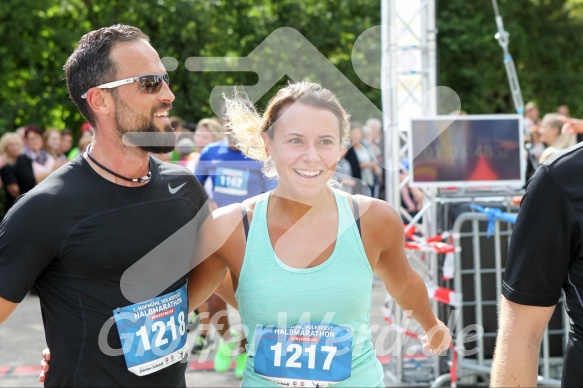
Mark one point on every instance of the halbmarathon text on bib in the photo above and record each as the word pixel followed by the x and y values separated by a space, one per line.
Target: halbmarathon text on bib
pixel 304 355
pixel 153 333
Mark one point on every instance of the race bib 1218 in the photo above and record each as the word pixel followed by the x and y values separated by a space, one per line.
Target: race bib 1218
pixel 153 333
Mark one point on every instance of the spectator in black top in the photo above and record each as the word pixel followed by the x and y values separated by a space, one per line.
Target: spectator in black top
pixel 16 174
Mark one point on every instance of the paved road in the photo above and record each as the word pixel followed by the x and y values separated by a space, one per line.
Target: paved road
pixel 22 340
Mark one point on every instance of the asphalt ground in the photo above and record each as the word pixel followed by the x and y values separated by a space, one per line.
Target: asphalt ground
pixel 22 340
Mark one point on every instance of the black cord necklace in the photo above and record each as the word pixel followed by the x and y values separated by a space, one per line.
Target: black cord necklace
pixel 145 178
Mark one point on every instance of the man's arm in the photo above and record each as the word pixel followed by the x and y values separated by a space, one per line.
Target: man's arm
pixel 6 308
pixel 520 330
pixel 212 247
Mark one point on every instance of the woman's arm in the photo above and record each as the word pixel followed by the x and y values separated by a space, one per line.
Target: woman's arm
pixel 571 125
pixel 204 279
pixel 226 292
pixel 13 190
pixel 214 246
pixel 401 281
pixel 364 165
pixel 42 171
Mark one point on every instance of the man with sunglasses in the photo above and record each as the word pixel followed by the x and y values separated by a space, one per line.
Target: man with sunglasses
pixel 108 209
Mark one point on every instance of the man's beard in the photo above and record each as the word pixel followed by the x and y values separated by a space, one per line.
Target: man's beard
pixel 143 133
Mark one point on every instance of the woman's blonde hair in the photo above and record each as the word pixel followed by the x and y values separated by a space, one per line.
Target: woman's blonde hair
pixel 214 127
pixel 7 138
pixel 247 125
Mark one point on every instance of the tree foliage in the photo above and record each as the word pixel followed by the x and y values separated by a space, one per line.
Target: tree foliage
pixel 545 43
pixel 39 35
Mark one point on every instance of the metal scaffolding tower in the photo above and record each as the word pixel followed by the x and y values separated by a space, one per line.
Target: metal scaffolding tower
pixel 408 82
pixel 408 77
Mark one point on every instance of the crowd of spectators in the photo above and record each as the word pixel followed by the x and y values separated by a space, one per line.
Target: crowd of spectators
pixel 29 155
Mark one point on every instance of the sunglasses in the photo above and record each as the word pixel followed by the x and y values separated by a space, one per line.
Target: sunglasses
pixel 150 83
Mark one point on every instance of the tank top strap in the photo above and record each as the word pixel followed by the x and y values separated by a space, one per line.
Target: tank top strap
pixel 349 238
pixel 258 233
pixel 346 217
pixel 260 211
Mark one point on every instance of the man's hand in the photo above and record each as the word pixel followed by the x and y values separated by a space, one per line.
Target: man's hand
pixel 46 355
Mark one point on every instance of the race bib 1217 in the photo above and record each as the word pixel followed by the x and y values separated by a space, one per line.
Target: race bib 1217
pixel 304 354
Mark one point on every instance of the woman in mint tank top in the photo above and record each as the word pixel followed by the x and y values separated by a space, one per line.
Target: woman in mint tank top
pixel 302 257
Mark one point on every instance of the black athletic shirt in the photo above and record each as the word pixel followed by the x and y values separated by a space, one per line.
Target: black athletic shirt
pixel 546 249
pixel 20 173
pixel 73 236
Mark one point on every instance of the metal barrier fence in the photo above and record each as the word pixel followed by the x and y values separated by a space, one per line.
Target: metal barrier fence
pixel 474 277
pixel 480 245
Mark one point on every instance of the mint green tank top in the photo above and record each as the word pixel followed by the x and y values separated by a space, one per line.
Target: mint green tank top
pixel 336 292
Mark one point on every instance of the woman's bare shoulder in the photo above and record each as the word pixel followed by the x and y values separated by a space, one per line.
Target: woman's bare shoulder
pixel 374 209
pixel 379 218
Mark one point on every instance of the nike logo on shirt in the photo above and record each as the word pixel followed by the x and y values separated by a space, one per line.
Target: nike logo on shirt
pixel 175 190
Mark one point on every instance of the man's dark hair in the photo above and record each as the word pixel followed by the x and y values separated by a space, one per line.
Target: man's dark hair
pixel 89 65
